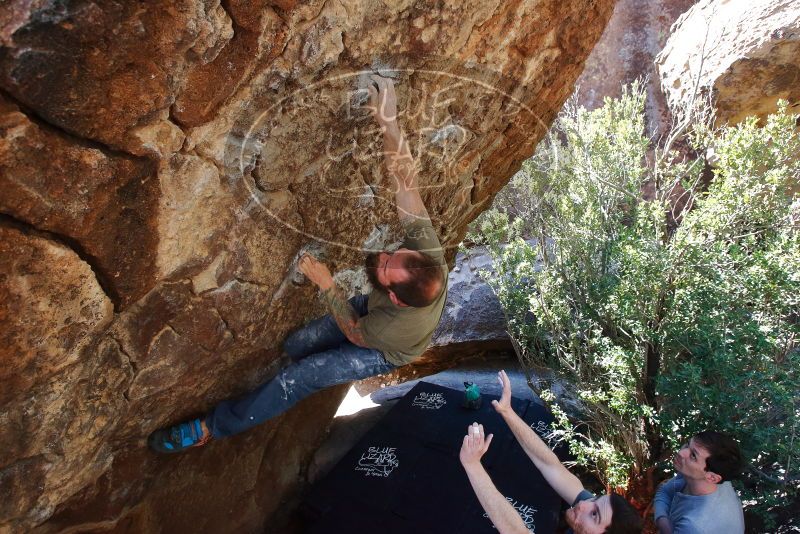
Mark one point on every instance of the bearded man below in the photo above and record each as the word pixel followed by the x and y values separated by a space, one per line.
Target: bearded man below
pixel 589 514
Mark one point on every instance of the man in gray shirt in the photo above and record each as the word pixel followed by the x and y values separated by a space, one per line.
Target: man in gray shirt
pixel 700 498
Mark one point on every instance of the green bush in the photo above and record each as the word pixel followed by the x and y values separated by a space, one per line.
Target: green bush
pixel 666 322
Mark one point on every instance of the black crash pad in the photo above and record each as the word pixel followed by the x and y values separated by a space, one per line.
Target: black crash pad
pixel 404 475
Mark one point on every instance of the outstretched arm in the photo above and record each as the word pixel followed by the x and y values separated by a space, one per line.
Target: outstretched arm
pixel 560 479
pixel 399 161
pixel 344 314
pixel 499 510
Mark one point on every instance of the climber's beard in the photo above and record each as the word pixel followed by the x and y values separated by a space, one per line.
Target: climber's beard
pixel 371 267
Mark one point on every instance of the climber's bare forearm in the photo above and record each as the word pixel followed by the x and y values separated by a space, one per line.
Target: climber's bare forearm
pixel 344 315
pixel 403 170
pixel 497 507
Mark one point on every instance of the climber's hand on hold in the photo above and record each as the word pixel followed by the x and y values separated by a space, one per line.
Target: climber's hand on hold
pixel 316 271
pixel 382 100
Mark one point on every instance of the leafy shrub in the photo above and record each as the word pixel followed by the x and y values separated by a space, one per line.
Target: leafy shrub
pixel 668 316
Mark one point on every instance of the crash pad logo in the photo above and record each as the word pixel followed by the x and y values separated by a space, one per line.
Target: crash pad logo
pixel 429 401
pixel 545 431
pixel 378 461
pixel 525 512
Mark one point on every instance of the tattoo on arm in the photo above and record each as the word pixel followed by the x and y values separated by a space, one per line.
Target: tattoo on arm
pixel 344 315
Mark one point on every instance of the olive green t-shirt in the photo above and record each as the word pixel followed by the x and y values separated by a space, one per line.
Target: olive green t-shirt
pixel 403 333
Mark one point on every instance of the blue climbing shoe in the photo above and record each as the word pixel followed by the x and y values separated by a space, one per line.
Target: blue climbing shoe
pixel 178 437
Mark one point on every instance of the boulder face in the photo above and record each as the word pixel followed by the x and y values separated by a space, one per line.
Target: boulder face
pixel 472 314
pixel 744 53
pixel 162 164
pixel 636 33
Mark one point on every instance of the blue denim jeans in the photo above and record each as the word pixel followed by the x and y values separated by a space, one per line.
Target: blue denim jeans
pixel 321 357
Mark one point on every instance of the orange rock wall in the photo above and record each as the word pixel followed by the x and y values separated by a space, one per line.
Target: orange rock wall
pixel 162 163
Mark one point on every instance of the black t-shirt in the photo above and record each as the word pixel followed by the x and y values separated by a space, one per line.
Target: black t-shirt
pixel 584 495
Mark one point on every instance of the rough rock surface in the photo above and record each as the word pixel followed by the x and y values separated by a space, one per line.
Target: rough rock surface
pixel 636 33
pixel 59 399
pixel 161 166
pixel 745 53
pixel 472 314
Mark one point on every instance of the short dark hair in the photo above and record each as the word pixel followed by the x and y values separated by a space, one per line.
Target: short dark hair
pixel 624 517
pixel 724 456
pixel 425 282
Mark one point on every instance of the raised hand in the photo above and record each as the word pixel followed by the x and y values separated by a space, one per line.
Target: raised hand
pixel 475 445
pixel 504 404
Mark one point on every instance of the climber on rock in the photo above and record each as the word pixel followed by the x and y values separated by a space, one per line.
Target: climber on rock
pixel 589 514
pixel 365 336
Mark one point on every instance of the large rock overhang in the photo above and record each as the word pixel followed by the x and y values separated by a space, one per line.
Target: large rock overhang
pixel 161 166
